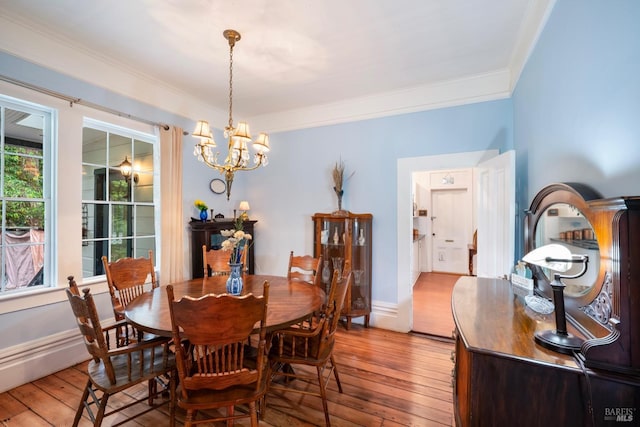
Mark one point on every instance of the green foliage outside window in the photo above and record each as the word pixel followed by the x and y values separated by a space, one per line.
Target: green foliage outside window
pixel 23 180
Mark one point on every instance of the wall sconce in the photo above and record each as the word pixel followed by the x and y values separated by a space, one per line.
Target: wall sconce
pixel 244 207
pixel 559 259
pixel 126 170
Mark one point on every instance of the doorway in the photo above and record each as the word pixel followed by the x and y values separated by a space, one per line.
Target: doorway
pixel 402 321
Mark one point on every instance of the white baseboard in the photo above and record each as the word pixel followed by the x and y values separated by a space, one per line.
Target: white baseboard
pixel 385 316
pixel 35 359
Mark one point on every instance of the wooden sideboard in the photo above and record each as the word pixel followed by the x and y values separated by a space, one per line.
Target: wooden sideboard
pixel 208 233
pixel 503 378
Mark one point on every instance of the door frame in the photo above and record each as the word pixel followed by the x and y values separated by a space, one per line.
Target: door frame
pixel 405 168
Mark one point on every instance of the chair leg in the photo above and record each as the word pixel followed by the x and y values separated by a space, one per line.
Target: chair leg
pixel 172 398
pixel 85 395
pixel 253 413
pixel 153 387
pixel 335 373
pixel 188 419
pixel 103 407
pixel 230 413
pixel 323 394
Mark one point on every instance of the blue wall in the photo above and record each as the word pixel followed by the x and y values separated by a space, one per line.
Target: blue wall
pixel 298 183
pixel 577 103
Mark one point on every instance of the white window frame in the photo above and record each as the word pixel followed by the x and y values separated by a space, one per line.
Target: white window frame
pixel 154 141
pixel 49 171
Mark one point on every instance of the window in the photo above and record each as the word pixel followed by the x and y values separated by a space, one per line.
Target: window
pixel 118 201
pixel 25 194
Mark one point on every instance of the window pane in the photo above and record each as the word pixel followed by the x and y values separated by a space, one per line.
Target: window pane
pixel 119 148
pixel 94 146
pixel 25 215
pixel 143 156
pixel 120 248
pixel 143 189
pixel 23 176
pixel 143 246
pixel 121 225
pixel 97 220
pixel 145 221
pixel 24 259
pixel 92 257
pixel 119 188
pixel 93 183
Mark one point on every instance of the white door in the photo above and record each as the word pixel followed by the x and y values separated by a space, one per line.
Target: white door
pixel 450 229
pixel 496 215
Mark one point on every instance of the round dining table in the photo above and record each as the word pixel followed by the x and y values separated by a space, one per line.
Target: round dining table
pixel 289 301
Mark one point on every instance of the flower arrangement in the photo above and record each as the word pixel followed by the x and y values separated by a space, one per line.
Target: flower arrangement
pixel 202 206
pixel 338 181
pixel 237 241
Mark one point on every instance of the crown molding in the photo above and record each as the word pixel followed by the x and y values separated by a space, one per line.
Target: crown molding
pixel 486 87
pixel 43 48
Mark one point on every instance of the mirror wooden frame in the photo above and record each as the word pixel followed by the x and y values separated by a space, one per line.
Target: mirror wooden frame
pixel 607 314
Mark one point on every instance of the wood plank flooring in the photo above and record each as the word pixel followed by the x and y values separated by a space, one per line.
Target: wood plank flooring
pixel 388 378
pixel 432 304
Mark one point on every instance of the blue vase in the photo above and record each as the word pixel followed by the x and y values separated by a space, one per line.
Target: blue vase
pixel 203 214
pixel 234 282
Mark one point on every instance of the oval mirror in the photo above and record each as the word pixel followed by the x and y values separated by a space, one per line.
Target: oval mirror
pixel 564 224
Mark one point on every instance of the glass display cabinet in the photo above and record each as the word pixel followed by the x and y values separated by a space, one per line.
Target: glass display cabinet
pixel 340 237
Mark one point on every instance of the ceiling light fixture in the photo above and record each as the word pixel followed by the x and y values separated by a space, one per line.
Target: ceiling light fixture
pixel 238 156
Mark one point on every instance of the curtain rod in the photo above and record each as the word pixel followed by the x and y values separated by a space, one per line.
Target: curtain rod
pixel 73 100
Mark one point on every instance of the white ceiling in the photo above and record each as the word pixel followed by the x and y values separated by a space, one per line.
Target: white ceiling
pixel 299 62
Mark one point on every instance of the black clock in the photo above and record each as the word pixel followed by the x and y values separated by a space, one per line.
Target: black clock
pixel 217 186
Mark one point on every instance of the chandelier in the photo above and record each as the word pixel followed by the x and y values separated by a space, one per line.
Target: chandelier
pixel 238 137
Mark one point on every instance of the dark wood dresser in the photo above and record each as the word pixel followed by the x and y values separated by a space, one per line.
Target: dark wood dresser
pixel 208 233
pixel 502 377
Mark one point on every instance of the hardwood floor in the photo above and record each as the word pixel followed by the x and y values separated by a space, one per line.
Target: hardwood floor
pixel 388 378
pixel 432 304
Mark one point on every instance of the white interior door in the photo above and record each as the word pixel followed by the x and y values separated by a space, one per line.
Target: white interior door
pixel 450 228
pixel 496 215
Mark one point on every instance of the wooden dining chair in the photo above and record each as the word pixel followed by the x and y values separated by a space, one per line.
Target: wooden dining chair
pixel 128 278
pixel 216 261
pixel 213 367
pixel 311 346
pixel 112 370
pixel 305 268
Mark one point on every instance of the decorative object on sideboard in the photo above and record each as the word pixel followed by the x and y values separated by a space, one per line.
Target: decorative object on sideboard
pixel 238 136
pixel 237 243
pixel 559 259
pixel 202 208
pixel 244 207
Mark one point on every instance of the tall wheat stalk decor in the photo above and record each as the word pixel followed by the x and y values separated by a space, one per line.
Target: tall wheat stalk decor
pixel 338 181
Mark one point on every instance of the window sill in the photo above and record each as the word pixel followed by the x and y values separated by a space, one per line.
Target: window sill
pixel 24 300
